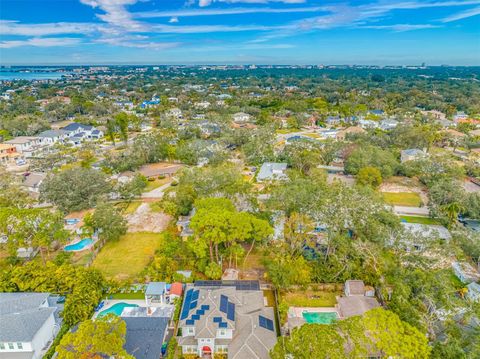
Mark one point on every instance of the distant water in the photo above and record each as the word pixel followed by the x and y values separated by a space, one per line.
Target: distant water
pixel 33 75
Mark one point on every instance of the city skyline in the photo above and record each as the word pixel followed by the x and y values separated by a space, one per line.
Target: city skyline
pixel 239 32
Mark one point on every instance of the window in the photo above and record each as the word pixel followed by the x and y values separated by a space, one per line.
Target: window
pixel 190 330
pixel 11 346
pixel 222 349
pixel 189 349
pixel 2 345
pixel 19 345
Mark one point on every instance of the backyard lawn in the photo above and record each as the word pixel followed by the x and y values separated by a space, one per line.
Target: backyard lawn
pixel 138 295
pixel 128 207
pixel 125 258
pixel 408 199
pixel 151 185
pixel 421 220
pixel 311 298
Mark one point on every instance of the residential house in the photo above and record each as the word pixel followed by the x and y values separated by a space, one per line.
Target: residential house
pixel 465 272
pixel 146 335
pixel 50 137
pixel 175 113
pixel 9 155
pixel 411 154
pixel 241 118
pixel 29 323
pixel 358 299
pixel 81 131
pixel 388 124
pixel 202 105
pixel 33 181
pixel 422 233
pixel 226 317
pixel 368 123
pixel 29 146
pixel 434 114
pixel 272 171
pixel 159 169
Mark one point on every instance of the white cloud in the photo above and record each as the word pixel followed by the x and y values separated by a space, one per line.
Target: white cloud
pixel 15 28
pixel 402 27
pixel 173 20
pixel 203 3
pixel 40 42
pixel 462 15
pixel 225 11
pixel 116 13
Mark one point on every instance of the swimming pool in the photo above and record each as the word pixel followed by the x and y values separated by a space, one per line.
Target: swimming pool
pixel 79 246
pixel 116 309
pixel 320 317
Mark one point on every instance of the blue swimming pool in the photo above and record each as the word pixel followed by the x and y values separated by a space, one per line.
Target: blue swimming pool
pixel 116 309
pixel 79 246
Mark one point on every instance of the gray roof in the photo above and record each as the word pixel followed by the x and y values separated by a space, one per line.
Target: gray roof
pixel 249 339
pixel 52 133
pixel 145 336
pixel 156 288
pixel 272 170
pixel 413 152
pixel 356 287
pixel 22 315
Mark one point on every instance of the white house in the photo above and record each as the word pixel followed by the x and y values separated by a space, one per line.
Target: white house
pixel 473 292
pixel 241 117
pixel 226 317
pixel 29 146
pixel 28 324
pixel 50 137
pixel 272 171
pixel 411 154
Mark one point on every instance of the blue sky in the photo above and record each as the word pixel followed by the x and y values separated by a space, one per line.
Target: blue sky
pixel 240 31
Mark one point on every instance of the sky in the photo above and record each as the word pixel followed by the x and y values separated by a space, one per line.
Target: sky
pixel 377 32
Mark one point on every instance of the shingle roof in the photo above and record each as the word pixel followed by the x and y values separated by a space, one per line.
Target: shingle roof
pixel 76 126
pixel 145 336
pixel 51 133
pixel 22 315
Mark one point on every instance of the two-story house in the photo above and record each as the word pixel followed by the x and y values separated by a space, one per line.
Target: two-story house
pixel 226 317
pixel 29 323
pixel 29 146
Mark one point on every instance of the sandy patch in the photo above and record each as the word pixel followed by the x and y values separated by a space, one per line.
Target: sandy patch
pixel 144 220
pixel 399 188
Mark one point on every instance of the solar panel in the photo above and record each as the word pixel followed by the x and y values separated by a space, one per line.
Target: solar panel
pixel 265 323
pixel 217 319
pixel 270 324
pixel 190 322
pixel 193 304
pixel 262 321
pixel 195 294
pixel 205 307
pixel 223 303
pixel 231 311
pixel 195 317
pixel 223 325
pixel 200 312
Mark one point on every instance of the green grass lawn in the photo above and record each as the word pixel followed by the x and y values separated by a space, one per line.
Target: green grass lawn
pixel 421 220
pixel 409 199
pixel 139 295
pixel 126 258
pixel 310 298
pixel 284 131
pixel 151 185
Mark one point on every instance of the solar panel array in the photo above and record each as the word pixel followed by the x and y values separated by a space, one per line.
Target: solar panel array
pixel 265 323
pixel 227 307
pixel 238 284
pixel 190 303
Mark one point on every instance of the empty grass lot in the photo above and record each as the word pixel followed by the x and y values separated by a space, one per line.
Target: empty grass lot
pixel 408 199
pixel 125 258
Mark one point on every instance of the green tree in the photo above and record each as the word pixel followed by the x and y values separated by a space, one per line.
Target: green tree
pixel 74 189
pixel 103 337
pixel 108 221
pixel 369 176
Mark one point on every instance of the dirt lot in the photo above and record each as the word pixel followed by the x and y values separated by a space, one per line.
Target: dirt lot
pixel 144 220
pixel 402 184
